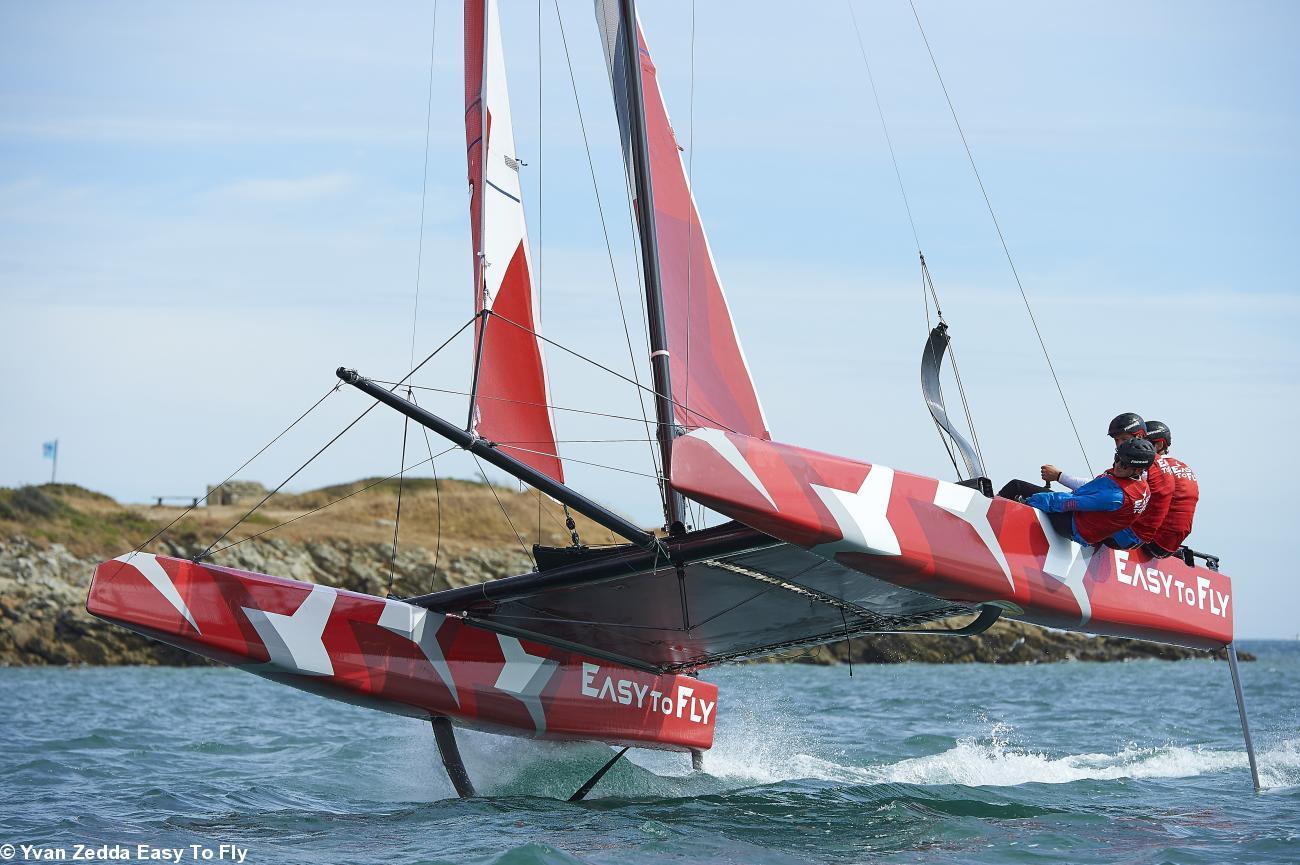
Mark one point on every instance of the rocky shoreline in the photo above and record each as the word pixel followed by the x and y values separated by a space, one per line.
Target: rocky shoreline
pixel 51 538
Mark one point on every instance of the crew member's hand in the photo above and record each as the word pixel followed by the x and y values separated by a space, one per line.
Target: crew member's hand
pixel 1051 473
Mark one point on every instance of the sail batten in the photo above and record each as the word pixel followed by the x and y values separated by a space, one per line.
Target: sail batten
pixel 511 399
pixel 710 378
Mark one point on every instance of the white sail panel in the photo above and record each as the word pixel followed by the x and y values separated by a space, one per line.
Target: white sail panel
pixel 512 404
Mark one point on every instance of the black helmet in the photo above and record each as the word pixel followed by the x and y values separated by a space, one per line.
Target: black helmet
pixel 1159 431
pixel 1138 453
pixel 1128 422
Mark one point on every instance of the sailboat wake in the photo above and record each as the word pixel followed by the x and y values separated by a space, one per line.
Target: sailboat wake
pixel 526 768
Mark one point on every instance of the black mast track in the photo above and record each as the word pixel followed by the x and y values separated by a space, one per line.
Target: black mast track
pixel 643 195
pixel 488 451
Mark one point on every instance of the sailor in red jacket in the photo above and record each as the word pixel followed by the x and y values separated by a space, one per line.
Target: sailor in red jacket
pixel 1176 524
pixel 1105 508
pixel 1159 478
pixel 1125 426
pixel 1161 482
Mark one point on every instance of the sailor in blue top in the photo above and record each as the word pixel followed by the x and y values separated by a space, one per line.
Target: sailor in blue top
pixel 1098 494
pixel 1107 505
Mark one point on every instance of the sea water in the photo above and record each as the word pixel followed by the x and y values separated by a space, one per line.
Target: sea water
pixel 1139 762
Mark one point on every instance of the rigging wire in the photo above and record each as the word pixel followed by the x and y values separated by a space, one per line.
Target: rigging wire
pixel 944 436
pixel 583 462
pixel 956 371
pixel 1001 238
pixel 328 444
pixel 291 476
pixel 927 283
pixel 453 392
pixel 430 356
pixel 415 312
pixel 437 498
pixel 437 493
pixel 156 535
pixel 397 519
pixel 609 248
pixel 328 504
pixel 505 512
pixel 717 424
pixel 424 182
pixel 889 141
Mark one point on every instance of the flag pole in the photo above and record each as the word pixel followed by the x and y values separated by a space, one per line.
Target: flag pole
pixel 55 468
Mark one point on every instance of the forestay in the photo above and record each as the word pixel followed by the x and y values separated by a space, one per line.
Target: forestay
pixel 711 384
pixel 511 404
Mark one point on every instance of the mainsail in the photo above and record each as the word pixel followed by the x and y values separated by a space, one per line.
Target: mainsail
pixel 511 404
pixel 711 385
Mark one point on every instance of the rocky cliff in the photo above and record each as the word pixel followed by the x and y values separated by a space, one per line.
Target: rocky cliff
pixel 452 534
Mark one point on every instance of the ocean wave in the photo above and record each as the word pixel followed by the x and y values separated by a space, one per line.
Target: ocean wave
pixel 992 761
pixel 528 768
pixel 994 764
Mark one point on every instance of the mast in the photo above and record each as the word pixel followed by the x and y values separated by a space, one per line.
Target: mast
pixel 674 506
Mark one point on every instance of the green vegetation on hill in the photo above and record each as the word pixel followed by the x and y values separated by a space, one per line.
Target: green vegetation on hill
pixel 81 520
pixel 458 513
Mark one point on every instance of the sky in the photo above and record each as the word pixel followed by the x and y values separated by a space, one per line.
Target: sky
pixel 205 208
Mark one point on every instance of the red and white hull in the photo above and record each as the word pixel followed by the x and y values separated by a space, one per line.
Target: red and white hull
pixel 951 542
pixel 389 655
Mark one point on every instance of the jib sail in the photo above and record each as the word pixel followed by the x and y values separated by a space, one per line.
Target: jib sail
pixel 511 404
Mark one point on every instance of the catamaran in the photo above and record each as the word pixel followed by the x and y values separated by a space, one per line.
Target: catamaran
pixel 605 643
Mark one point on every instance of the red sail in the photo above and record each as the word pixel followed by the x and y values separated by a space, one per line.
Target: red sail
pixel 512 406
pixel 710 378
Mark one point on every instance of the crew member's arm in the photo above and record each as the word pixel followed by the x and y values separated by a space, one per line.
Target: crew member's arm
pixel 1051 473
pixel 1072 481
pixel 1098 494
